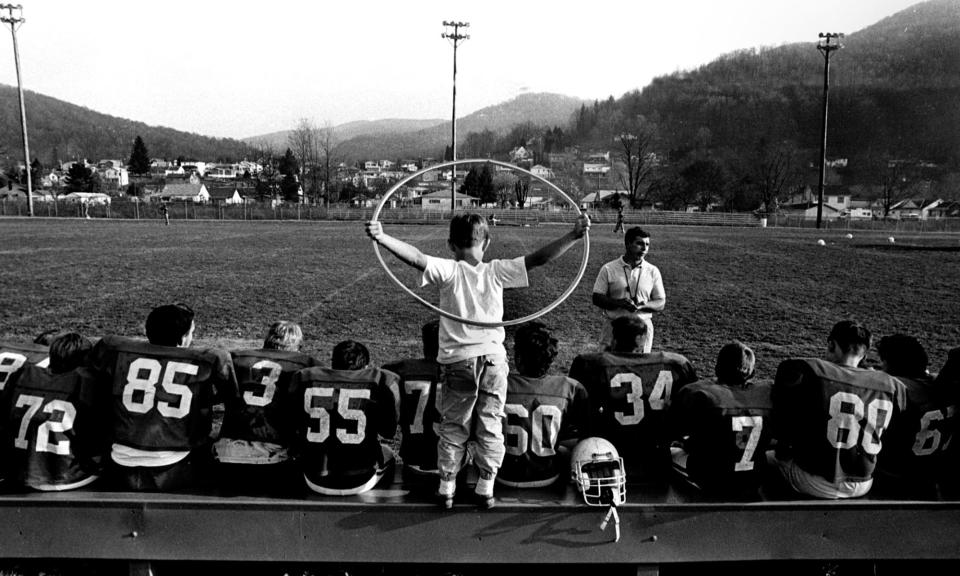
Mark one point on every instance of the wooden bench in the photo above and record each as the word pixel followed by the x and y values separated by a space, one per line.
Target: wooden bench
pixel 399 524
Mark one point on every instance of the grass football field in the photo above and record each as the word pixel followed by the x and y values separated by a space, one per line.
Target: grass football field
pixel 775 289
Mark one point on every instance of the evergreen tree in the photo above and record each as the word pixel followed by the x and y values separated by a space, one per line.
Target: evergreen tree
pixel 487 191
pixel 139 158
pixel 288 164
pixel 79 178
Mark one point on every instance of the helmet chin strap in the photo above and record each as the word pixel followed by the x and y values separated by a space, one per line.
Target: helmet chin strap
pixel 612 512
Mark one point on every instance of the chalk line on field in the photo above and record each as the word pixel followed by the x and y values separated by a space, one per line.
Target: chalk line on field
pixel 363 276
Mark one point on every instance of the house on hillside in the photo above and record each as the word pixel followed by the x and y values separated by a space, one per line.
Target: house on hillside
pixel 542 171
pixel 913 209
pixel 595 200
pixel 520 154
pixel 441 201
pixel 946 209
pixel 183 192
pixel 229 194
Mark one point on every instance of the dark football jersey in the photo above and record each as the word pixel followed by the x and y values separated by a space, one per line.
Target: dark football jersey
pixel 726 431
pixel 419 415
pixel 919 436
pixel 538 414
pixel 13 355
pixel 832 417
pixel 339 417
pixel 263 378
pixel 54 428
pixel 629 397
pixel 161 396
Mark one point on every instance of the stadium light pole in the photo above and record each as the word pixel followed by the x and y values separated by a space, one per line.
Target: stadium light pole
pixel 456 38
pixel 825 45
pixel 13 21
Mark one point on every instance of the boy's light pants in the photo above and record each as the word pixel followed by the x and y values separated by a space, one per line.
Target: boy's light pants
pixel 472 395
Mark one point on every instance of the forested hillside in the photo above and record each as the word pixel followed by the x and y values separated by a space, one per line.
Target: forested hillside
pixel 62 131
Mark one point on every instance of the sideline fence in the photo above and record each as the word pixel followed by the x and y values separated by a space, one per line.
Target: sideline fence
pixel 131 210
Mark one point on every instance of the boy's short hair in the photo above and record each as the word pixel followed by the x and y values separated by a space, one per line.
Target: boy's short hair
pixel 735 364
pixel 46 337
pixel 633 233
pixel 468 230
pixel 626 330
pixel 283 335
pixel 168 324
pixel 350 355
pixel 850 335
pixel 535 349
pixel 68 351
pixel 903 355
pixel 430 335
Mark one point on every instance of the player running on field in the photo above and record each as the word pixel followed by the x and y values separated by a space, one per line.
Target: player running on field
pixel 340 414
pixel 541 412
pixel 473 361
pixel 252 449
pixel 829 417
pixel 630 392
pixel 723 426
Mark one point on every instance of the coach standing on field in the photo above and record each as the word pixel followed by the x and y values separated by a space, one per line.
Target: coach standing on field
pixel 630 286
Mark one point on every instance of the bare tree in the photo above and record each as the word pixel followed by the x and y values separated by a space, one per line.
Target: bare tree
pixel 328 144
pixel 773 169
pixel 304 141
pixel 636 139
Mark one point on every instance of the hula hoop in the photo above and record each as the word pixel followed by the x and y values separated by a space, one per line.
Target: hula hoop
pixel 444 313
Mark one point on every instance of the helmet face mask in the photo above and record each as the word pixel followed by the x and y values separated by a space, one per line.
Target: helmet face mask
pixel 597 470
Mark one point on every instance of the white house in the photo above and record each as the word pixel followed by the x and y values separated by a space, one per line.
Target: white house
pixel 441 201
pixel 914 208
pixel 115 177
pixel 542 172
pixel 184 192
pixel 595 199
pixel 91 198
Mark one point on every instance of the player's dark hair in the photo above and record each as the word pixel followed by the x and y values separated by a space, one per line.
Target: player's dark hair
pixel 850 335
pixel 430 335
pixel 350 355
pixel 633 233
pixel 46 337
pixel 904 355
pixel 283 335
pixel 68 351
pixel 168 324
pixel 534 349
pixel 735 364
pixel 468 230
pixel 626 330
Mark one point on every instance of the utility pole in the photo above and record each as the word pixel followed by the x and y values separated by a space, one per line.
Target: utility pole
pixel 13 21
pixel 456 38
pixel 826 45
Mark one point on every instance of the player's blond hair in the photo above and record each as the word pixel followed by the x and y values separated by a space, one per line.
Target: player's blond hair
pixel 283 335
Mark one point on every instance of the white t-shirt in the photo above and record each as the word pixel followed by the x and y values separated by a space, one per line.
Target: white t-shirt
pixel 474 292
pixel 618 280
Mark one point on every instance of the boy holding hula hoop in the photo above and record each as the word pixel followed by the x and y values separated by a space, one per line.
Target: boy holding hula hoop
pixel 473 360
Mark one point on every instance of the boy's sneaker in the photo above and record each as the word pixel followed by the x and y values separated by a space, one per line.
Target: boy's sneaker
pixel 446 492
pixel 484 493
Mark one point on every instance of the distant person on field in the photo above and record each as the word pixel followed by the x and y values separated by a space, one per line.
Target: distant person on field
pixel 252 449
pixel 830 417
pixel 630 286
pixel 618 228
pixel 916 444
pixel 165 213
pixel 542 411
pixel 722 426
pixel 630 392
pixel 53 430
pixel 473 360
pixel 162 398
pixel 419 414
pixel 340 415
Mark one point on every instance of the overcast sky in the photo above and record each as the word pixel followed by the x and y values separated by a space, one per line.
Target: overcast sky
pixel 236 68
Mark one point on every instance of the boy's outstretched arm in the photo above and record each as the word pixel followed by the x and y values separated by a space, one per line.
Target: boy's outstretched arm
pixel 405 252
pixel 556 248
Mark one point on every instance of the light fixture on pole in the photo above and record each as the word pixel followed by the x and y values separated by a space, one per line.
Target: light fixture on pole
pixel 14 20
pixel 456 38
pixel 829 41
